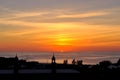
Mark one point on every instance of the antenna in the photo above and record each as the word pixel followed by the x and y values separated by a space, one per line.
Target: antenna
pixel 16 54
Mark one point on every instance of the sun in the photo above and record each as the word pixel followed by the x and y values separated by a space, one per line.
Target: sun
pixel 62 40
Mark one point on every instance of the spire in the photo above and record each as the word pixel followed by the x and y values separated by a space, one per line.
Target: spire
pixel 53 59
pixel 16 57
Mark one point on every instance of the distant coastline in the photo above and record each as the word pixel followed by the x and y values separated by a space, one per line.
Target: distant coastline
pixel 16 68
pixel 44 57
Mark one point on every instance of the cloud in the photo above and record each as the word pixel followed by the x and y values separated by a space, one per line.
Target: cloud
pixel 7 13
pixel 84 15
pixel 107 16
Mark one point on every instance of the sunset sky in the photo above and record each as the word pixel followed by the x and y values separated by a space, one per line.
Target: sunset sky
pixel 59 25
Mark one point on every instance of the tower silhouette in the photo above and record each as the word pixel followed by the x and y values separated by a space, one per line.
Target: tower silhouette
pixel 53 59
pixel 53 64
pixel 16 64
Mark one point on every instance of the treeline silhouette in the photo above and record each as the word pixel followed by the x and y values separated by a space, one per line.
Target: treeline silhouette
pixel 102 70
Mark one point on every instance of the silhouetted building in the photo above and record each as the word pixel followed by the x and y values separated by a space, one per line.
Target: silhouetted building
pixel 105 63
pixel 118 62
pixel 8 63
pixel 16 64
pixel 53 64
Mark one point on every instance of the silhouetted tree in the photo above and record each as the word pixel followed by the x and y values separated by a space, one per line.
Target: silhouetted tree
pixel 73 62
pixel 79 62
pixel 65 62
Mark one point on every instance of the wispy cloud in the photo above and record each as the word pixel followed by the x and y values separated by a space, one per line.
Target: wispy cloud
pixel 85 23
pixel 100 17
pixel 83 15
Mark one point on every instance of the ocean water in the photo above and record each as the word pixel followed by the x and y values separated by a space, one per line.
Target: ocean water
pixel 45 57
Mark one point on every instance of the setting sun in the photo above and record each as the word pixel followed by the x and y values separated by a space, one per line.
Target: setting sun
pixel 63 40
pixel 60 27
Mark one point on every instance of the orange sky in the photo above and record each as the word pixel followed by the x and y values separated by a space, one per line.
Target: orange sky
pixel 76 37
pixel 62 28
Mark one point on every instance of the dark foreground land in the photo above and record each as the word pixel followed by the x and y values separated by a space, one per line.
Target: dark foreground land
pixel 61 76
pixel 15 69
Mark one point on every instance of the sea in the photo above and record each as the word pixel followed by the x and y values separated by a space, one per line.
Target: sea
pixel 45 57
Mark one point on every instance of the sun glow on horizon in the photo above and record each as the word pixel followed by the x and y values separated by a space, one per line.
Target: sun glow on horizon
pixel 84 25
pixel 62 40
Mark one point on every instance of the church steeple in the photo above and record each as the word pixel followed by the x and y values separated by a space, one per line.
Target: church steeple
pixel 16 64
pixel 53 59
pixel 16 57
pixel 53 64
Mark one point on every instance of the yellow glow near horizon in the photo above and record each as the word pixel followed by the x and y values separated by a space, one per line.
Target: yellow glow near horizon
pixel 63 40
pixel 76 37
pixel 73 29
